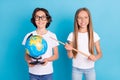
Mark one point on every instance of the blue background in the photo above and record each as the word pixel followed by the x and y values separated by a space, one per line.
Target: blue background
pixel 15 22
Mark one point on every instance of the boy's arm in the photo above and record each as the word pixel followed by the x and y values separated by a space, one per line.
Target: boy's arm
pixel 28 60
pixel 55 55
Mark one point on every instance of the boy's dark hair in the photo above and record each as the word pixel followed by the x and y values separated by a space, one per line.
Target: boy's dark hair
pixel 49 19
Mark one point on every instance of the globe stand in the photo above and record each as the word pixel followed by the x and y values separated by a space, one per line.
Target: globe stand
pixel 36 61
pixel 33 44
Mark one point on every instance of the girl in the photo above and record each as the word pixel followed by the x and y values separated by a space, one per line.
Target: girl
pixel 83 39
pixel 41 19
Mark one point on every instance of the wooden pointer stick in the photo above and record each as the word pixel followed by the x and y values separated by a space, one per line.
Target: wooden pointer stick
pixel 72 48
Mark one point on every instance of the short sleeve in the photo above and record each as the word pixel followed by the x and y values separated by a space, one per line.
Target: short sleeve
pixel 96 37
pixel 70 37
pixel 55 42
pixel 25 38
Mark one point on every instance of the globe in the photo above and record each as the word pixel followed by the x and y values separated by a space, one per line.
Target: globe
pixel 35 46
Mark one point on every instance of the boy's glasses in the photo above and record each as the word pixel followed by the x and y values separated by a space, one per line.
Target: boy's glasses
pixel 43 18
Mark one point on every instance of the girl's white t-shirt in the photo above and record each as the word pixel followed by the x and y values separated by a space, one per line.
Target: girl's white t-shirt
pixel 82 61
pixel 46 69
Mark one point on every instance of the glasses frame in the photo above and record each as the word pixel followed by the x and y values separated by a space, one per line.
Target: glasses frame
pixel 43 18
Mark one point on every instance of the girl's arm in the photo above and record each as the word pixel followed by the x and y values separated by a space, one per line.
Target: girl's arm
pixel 69 48
pixel 99 52
pixel 70 54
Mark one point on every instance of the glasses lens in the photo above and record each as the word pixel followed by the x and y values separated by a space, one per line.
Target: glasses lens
pixel 44 18
pixel 36 18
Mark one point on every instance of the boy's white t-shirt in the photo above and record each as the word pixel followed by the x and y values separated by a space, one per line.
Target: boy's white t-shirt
pixel 48 68
pixel 81 61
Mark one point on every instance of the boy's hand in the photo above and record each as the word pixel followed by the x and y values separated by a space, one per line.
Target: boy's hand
pixel 45 61
pixel 30 65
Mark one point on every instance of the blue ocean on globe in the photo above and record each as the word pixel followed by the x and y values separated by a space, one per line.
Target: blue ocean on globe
pixel 36 46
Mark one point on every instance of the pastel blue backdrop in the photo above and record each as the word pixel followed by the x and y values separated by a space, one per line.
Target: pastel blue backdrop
pixel 15 22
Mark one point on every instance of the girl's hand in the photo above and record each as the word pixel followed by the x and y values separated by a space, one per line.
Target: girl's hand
pixel 92 58
pixel 68 47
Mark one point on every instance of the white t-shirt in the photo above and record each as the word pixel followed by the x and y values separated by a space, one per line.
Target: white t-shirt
pixel 81 61
pixel 47 69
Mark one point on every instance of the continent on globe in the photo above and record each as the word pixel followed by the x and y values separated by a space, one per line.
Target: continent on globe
pixel 36 46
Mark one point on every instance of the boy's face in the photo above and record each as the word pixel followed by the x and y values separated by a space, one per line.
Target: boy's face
pixel 40 19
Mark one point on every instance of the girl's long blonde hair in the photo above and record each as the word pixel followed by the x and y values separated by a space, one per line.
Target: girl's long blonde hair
pixel 89 29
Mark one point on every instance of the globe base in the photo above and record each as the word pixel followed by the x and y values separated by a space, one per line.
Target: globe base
pixel 36 60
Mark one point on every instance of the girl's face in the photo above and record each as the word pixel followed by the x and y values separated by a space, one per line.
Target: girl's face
pixel 83 19
pixel 40 19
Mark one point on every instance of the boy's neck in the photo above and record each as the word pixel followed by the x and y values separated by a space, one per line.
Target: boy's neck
pixel 41 31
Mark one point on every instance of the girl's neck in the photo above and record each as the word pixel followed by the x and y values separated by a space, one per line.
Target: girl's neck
pixel 82 30
pixel 41 31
